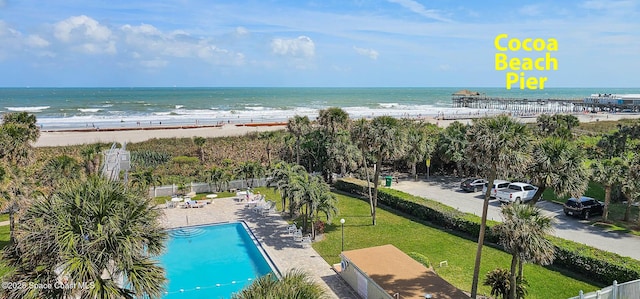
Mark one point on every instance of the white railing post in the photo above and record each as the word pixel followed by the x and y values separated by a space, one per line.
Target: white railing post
pixel 598 294
pixel 581 294
pixel 614 290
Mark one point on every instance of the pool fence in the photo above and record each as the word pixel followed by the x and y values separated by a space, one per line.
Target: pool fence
pixel 233 186
pixel 627 290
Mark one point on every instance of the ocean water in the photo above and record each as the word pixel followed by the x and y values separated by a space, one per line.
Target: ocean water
pixel 72 108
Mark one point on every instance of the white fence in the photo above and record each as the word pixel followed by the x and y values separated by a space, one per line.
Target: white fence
pixel 627 290
pixel 170 190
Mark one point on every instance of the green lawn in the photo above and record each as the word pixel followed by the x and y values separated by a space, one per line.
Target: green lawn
pixel 437 246
pixel 4 240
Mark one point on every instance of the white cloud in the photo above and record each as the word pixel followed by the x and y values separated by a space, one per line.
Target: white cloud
pixel 81 27
pixel 36 41
pixel 302 46
pixel 241 31
pixel 371 53
pixel 420 9
pixel 148 41
pixel 86 35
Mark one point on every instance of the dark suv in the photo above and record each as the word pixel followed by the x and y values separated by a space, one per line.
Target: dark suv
pixel 472 185
pixel 583 207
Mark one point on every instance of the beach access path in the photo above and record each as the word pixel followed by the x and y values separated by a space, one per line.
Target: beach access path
pixel 447 191
pixel 271 231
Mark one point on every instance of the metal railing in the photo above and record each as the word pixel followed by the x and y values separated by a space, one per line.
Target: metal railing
pixel 627 290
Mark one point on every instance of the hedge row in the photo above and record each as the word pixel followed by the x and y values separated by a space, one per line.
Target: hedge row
pixel 599 265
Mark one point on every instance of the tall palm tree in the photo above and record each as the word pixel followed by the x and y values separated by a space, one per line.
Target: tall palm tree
pixel 453 143
pixel 608 172
pixel 269 137
pixel 18 131
pixel 386 141
pixel 95 235
pixel 294 284
pixel 360 136
pixel 215 177
pixel 560 165
pixel 523 234
pixel 316 195
pixel 497 146
pixel 298 126
pixel 420 143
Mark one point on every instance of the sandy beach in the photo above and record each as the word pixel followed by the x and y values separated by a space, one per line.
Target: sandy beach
pixel 62 138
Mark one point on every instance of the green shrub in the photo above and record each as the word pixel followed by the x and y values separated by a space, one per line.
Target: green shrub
pixel 599 265
pixel 420 258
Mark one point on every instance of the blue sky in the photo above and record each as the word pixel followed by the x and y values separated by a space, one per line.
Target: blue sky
pixel 438 43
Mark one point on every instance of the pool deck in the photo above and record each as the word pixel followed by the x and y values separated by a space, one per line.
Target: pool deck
pixel 272 234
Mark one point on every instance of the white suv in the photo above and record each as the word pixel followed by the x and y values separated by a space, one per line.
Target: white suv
pixel 497 184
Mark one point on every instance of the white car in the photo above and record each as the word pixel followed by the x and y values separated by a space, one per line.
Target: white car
pixel 517 192
pixel 497 184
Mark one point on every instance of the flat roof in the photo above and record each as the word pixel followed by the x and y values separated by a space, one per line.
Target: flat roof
pixel 396 272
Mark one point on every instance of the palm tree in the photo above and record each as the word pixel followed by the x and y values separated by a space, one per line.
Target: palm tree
pixel 316 195
pixel 523 234
pixel 332 119
pixel 18 131
pixel 420 143
pixel 283 176
pixel 298 126
pixel 250 170
pixel 386 141
pixel 94 233
pixel 144 179
pixel 343 155
pixel 499 281
pixel 215 176
pixel 453 143
pixel 269 137
pixel 360 136
pixel 497 145
pixel 558 164
pixel 631 183
pixel 199 142
pixel 608 172
pixel 293 284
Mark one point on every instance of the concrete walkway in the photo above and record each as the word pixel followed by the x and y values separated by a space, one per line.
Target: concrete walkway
pixel 271 232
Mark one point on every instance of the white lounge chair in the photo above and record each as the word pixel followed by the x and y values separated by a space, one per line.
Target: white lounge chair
pixel 291 229
pixel 306 241
pixel 297 235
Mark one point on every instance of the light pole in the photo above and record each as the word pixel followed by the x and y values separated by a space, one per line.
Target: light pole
pixel 342 223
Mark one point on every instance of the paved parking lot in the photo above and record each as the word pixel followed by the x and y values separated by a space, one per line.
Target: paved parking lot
pixel 447 191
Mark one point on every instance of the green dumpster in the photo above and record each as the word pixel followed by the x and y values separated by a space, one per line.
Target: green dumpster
pixel 387 181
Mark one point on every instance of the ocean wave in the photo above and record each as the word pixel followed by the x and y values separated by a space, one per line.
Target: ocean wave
pixel 91 110
pixel 28 109
pixel 179 106
pixel 388 105
pixel 255 108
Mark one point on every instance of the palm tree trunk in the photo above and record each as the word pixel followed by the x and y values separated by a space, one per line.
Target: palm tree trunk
pixel 483 228
pixel 414 172
pixel 512 277
pixel 366 170
pixel 298 150
pixel 627 210
pixel 376 177
pixel 538 194
pixel 607 200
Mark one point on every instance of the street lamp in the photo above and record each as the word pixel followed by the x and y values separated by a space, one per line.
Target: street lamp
pixel 342 223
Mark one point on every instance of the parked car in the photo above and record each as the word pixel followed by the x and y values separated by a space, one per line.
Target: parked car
pixel 497 184
pixel 583 207
pixel 517 192
pixel 472 185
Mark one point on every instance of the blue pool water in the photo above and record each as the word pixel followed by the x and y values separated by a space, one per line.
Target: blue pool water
pixel 211 261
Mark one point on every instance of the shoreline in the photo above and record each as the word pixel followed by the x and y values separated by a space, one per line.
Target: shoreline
pixel 79 136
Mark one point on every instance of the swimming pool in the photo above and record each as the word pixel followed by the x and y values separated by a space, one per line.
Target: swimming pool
pixel 212 261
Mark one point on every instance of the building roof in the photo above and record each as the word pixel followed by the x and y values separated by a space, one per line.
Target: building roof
pixel 466 92
pixel 396 272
